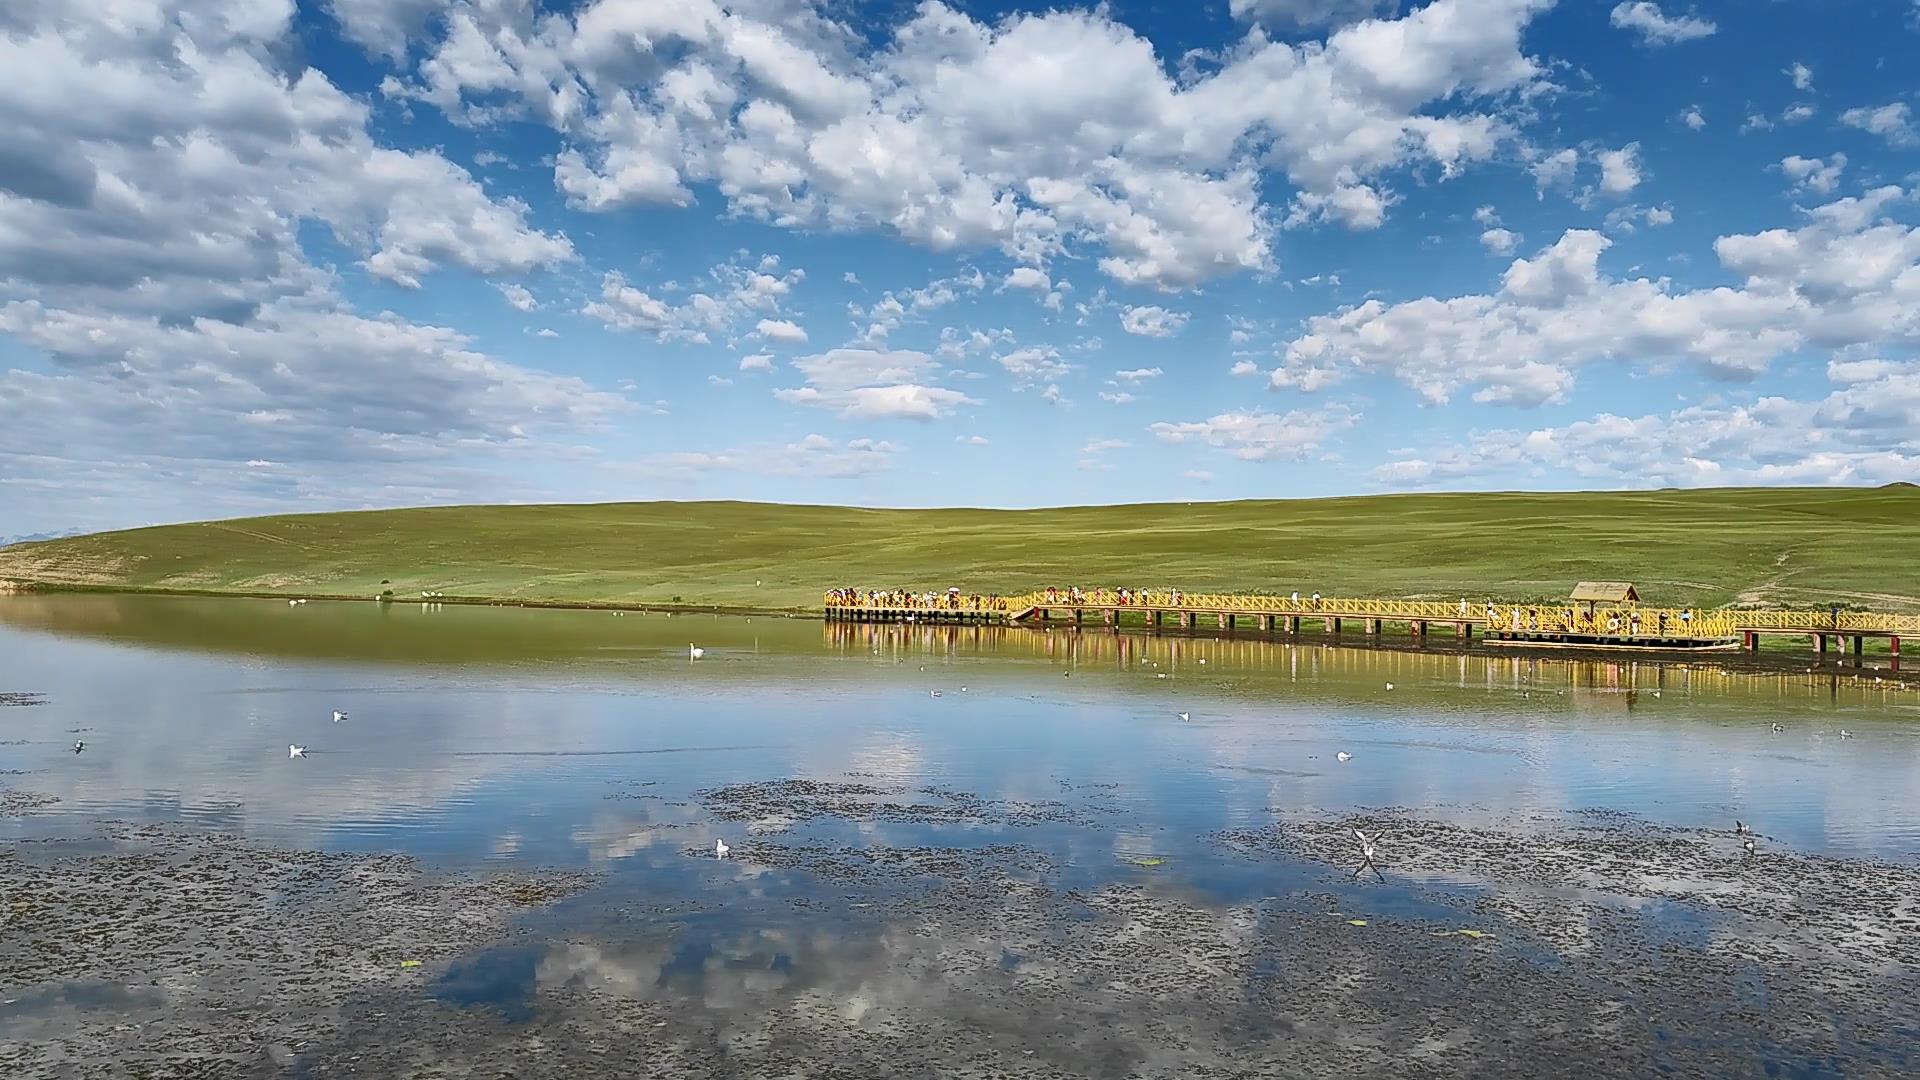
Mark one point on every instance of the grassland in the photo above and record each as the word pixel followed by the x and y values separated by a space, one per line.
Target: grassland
pixel 1773 546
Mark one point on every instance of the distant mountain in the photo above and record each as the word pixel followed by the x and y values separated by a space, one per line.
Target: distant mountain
pixel 28 538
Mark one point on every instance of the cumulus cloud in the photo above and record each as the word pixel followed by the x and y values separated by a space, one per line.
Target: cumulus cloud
pixel 1310 14
pixel 1843 278
pixel 1261 436
pixel 1152 321
pixel 1499 241
pixel 724 298
pixel 1694 119
pixel 1802 76
pixel 1817 175
pixel 757 362
pixel 812 457
pixel 1135 375
pixel 1036 134
pixel 1620 169
pixel 1865 431
pixel 781 330
pixel 1028 277
pixel 1893 122
pixel 1555 170
pixel 873 384
pixel 1034 364
pixel 518 297
pixel 1657 28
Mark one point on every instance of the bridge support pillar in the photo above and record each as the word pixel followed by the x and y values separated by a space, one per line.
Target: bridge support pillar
pixel 1420 629
pixel 1184 620
pixel 1078 614
pixel 1332 626
pixel 1110 617
pixel 1859 644
pixel 1153 619
pixel 1226 621
pixel 1893 649
pixel 1264 622
pixel 1464 631
pixel 1750 641
pixel 1822 639
pixel 1372 627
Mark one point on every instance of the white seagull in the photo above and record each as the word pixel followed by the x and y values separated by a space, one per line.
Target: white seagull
pixel 1389 686
pixel 1777 729
pixel 934 693
pixel 1845 734
pixel 338 716
pixel 1184 716
pixel 296 751
pixel 695 652
pixel 1748 844
pixel 1366 856
pixel 79 745
pixel 720 849
pixel 1741 828
pixel 1343 756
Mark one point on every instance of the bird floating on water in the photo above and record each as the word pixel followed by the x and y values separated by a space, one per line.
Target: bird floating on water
pixel 338 716
pixel 1160 675
pixel 1845 734
pixel 296 751
pixel 1742 828
pixel 695 652
pixel 79 745
pixel 1777 729
pixel 1203 659
pixel 1343 756
pixel 720 849
pixel 934 693
pixel 1748 844
pixel 1184 716
pixel 1389 686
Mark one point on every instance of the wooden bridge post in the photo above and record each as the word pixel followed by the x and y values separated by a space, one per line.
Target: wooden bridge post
pixel 1264 622
pixel 1750 640
pixel 1822 639
pixel 1111 618
pixel 1463 631
pixel 1893 649
pixel 1859 644
pixel 1153 619
pixel 1372 627
pixel 1078 614
pixel 1420 629
pixel 1184 620
pixel 1293 624
pixel 1331 626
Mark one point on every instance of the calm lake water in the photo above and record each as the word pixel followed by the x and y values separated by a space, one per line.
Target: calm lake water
pixel 578 738
pixel 504 739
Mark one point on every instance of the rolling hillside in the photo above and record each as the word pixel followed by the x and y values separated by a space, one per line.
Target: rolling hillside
pixel 1772 546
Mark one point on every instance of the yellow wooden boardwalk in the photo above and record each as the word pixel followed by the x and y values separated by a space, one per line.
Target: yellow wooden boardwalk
pixel 1633 625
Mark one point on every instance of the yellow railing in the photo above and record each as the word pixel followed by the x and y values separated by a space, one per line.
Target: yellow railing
pixel 1618 621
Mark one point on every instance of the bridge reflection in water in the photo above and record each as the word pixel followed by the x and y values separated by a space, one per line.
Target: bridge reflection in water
pixel 1621 626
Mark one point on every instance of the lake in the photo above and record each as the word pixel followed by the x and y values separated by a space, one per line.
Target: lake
pixel 1002 849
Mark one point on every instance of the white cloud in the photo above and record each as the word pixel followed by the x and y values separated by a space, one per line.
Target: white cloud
pixel 1244 367
pixel 1798 113
pixel 1034 364
pixel 1296 15
pixel 873 384
pixel 1866 431
pixel 1802 76
pixel 724 297
pixel 383 27
pixel 1028 277
pixel 757 362
pixel 1034 134
pixel 1620 169
pixel 1261 436
pixel 971 440
pixel 813 457
pixel 1135 375
pixel 1117 397
pixel 1101 446
pixel 1657 28
pixel 518 297
pixel 780 330
pixel 1814 174
pixel 1499 241
pixel 1555 170
pixel 1149 321
pixel 1893 122
pixel 1844 278
pixel 1693 118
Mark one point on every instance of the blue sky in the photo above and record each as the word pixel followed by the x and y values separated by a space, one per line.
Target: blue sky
pixel 259 256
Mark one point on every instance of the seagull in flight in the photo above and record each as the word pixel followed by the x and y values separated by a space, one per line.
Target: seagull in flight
pixel 1366 856
pixel 695 652
pixel 720 849
pixel 79 745
pixel 338 716
pixel 296 751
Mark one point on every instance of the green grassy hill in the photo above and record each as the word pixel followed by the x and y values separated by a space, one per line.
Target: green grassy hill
pixel 1774 546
